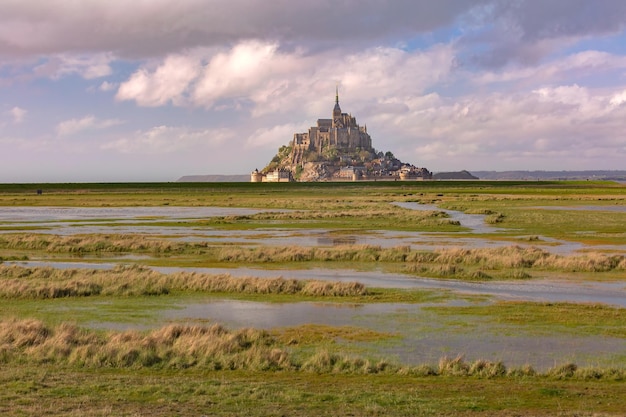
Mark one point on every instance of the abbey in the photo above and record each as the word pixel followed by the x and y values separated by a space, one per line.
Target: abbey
pixel 341 132
pixel 336 149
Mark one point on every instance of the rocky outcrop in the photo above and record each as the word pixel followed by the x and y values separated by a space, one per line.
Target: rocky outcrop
pixel 459 175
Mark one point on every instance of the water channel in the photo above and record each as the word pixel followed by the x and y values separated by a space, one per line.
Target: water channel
pixel 424 335
pixel 67 221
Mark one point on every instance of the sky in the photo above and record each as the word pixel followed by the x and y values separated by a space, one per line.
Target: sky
pixel 152 90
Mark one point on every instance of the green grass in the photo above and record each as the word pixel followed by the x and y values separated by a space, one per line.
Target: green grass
pixel 57 391
pixel 548 318
pixel 324 374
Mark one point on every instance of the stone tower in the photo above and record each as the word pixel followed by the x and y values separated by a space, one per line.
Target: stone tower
pixel 341 132
pixel 336 110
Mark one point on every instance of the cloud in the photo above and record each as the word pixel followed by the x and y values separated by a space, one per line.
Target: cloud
pixel 107 86
pixel 150 28
pixel 267 79
pixel 563 124
pixel 274 137
pixel 168 82
pixel 497 32
pixel 167 139
pixel 526 31
pixel 90 122
pixel 18 114
pixel 85 66
pixel 577 65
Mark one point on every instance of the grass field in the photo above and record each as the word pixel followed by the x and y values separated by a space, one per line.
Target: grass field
pixel 53 363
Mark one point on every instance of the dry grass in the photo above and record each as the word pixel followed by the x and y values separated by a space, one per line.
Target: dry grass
pixel 173 346
pixel 507 257
pixel 217 348
pixel 45 282
pixel 113 243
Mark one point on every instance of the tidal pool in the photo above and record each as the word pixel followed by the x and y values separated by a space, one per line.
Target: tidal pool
pixel 67 221
pixel 422 335
pixel 417 336
pixel 47 214
pixel 475 222
pixel 537 290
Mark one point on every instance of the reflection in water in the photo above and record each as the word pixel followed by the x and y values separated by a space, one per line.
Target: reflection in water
pixel 611 293
pixel 43 214
pixel 336 240
pixel 422 336
pixel 145 220
pixel 475 222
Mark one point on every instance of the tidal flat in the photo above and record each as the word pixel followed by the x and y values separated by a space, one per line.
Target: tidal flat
pixel 453 284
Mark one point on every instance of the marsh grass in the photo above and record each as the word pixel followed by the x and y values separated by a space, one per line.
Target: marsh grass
pixel 581 319
pixel 315 334
pixel 45 282
pixel 215 348
pixel 526 214
pixel 507 262
pixel 174 346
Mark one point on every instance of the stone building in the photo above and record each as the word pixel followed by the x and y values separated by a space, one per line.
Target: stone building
pixel 278 175
pixel 341 132
pixel 335 149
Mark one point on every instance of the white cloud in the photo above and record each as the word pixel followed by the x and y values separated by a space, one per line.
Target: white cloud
pixel 619 98
pixel 270 80
pixel 18 114
pixel 553 125
pixel 90 122
pixel 86 66
pixel 107 86
pixel 275 136
pixel 167 83
pixel 166 139
pixel 578 65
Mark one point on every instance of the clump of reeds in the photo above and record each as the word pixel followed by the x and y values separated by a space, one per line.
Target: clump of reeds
pixel 563 371
pixel 323 361
pixel 45 282
pixel 174 346
pixel 453 366
pixel 215 347
pixel 589 262
pixel 494 218
pixel 81 244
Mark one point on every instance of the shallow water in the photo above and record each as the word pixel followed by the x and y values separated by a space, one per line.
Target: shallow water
pixel 67 221
pixel 424 336
pixel 43 214
pixel 475 222
pixel 611 293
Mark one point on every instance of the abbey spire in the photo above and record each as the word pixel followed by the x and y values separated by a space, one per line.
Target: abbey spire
pixel 337 109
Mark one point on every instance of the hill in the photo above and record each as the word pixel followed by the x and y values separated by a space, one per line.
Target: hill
pixel 334 149
pixel 459 175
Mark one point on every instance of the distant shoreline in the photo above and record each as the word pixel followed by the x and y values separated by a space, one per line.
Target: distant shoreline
pixel 608 175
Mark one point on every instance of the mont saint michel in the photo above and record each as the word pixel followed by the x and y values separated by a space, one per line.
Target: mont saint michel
pixel 335 149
